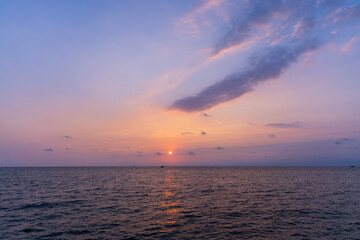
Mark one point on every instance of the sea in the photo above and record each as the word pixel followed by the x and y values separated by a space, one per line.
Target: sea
pixel 180 203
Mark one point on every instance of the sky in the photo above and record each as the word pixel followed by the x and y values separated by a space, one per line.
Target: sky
pixel 217 82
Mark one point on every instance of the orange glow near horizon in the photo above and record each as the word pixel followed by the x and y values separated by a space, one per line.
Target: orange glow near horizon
pixel 170 152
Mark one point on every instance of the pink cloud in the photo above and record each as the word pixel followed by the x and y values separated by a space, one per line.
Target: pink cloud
pixel 334 32
pixel 349 45
pixel 191 22
pixel 277 40
pixel 309 61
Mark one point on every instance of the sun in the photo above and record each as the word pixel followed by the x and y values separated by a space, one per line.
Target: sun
pixel 170 152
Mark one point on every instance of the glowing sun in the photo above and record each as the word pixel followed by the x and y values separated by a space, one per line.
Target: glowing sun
pixel 170 152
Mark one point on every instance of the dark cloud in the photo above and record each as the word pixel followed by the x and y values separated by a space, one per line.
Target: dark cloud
pixel 158 153
pixel 293 27
pixel 139 153
pixel 48 150
pixel 67 136
pixel 344 140
pixel 284 125
pixel 203 133
pixel 348 139
pixel 264 65
pixel 67 148
pixel 191 153
pixel 219 148
pixel 187 133
pixel 257 13
pixel 205 115
pixel 272 135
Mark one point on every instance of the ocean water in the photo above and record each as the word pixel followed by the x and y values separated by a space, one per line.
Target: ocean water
pixel 180 203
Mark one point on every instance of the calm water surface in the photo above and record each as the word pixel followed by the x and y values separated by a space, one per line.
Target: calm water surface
pixel 180 203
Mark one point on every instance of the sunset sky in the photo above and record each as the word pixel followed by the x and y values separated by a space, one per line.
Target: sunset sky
pixel 218 82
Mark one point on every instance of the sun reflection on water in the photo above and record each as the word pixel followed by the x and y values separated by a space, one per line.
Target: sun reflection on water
pixel 170 205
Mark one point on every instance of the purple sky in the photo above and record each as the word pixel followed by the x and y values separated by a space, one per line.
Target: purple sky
pixel 217 82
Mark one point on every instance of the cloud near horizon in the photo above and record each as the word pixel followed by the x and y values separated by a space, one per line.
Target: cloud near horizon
pixel 285 29
pixel 187 133
pixel 285 125
pixel 191 153
pixel 344 140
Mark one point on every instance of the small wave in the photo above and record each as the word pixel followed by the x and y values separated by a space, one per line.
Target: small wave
pixel 191 216
pixel 153 229
pixel 207 191
pixel 235 214
pixel 78 232
pixel 28 230
pixel 48 204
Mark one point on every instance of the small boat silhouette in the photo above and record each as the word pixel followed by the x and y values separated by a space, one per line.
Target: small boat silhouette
pixel 162 167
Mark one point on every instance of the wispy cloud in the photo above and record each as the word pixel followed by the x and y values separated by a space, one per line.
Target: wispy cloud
pixel 334 32
pixel 309 61
pixel 67 136
pixel 48 150
pixel 243 46
pixel 191 153
pixel 348 14
pixel 203 133
pixel 272 135
pixel 219 148
pixel 158 153
pixel 285 125
pixel 304 26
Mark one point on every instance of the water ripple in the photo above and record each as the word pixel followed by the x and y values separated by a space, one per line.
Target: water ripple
pixel 179 203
